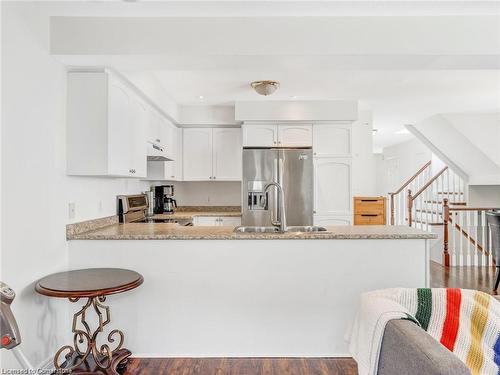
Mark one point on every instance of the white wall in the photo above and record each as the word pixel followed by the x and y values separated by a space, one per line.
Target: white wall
pixel 450 137
pixel 207 115
pixel 35 189
pixel 364 172
pixel 207 193
pixel 481 129
pixel 399 162
pixel 484 196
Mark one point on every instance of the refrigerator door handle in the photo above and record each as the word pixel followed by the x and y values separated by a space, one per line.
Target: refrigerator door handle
pixel 275 220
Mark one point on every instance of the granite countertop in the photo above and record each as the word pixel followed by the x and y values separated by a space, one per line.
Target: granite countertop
pixel 180 215
pixel 168 231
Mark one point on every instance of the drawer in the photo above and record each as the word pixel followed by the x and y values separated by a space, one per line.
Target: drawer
pixel 369 205
pixel 369 219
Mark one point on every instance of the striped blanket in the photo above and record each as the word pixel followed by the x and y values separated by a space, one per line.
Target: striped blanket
pixel 467 322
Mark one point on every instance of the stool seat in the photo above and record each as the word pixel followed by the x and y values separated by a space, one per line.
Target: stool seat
pixel 91 282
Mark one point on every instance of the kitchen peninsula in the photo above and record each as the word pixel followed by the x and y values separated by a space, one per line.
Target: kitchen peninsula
pixel 209 291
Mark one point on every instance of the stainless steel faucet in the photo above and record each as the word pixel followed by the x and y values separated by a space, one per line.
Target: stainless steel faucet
pixel 282 222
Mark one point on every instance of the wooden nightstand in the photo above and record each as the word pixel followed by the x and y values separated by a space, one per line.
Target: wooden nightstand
pixel 369 211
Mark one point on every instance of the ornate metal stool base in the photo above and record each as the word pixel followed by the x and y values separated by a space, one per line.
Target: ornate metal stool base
pixel 86 356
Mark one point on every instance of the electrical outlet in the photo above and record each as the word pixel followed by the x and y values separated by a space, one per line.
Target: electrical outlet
pixel 71 210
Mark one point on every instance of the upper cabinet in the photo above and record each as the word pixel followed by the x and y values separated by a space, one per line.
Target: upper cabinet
pixel 197 154
pixel 107 127
pixel 211 154
pixel 332 140
pixel 226 154
pixel 265 135
pixel 277 135
pixel 295 135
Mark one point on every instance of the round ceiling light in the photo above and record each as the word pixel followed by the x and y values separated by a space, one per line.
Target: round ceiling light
pixel 265 87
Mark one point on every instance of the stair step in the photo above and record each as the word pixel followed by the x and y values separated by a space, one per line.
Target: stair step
pixel 450 192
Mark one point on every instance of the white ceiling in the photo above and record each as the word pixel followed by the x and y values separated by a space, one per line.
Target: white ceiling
pixel 396 97
pixel 403 69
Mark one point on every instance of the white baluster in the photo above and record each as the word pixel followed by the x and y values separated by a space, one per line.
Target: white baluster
pixel 454 187
pixel 460 238
pixel 467 240
pixel 476 236
pixel 448 184
pixel 451 226
pixel 484 231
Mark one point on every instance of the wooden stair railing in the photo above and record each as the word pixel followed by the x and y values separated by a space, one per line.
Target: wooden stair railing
pixel 465 220
pixel 414 180
pixel 412 198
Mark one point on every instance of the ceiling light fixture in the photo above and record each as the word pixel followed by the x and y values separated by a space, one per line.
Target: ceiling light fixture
pixel 201 97
pixel 265 87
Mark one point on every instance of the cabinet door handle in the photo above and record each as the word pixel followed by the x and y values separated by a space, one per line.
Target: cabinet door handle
pixel 158 140
pixel 214 177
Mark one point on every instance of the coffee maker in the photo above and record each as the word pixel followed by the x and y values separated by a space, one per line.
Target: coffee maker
pixel 164 199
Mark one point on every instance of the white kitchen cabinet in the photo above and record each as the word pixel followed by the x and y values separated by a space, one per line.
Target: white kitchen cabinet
pixel 272 135
pixel 211 154
pixel 294 135
pixel 230 221
pixel 106 127
pixel 210 221
pixel 332 220
pixel 332 140
pixel 226 154
pixel 261 135
pixel 216 221
pixel 197 154
pixel 332 186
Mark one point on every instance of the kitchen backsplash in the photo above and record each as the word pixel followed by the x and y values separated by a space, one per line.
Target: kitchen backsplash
pixel 198 193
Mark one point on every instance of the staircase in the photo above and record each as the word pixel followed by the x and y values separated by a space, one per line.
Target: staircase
pixel 437 203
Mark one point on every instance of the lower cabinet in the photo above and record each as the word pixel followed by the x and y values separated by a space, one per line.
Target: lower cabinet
pixel 329 220
pixel 216 221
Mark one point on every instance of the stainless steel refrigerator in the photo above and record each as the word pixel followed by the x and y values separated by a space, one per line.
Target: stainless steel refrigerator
pixel 292 168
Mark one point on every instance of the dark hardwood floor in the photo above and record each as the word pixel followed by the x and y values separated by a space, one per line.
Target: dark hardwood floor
pixel 479 278
pixel 242 366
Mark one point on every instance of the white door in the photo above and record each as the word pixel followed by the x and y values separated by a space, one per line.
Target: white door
pixel 332 186
pixel 331 140
pixel 226 151
pixel 262 135
pixel 230 221
pixel 138 145
pixel 295 135
pixel 119 129
pixel 197 154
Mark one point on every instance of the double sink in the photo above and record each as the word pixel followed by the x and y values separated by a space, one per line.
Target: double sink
pixel 302 229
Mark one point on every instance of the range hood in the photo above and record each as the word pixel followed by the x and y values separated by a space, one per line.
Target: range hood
pixel 156 152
